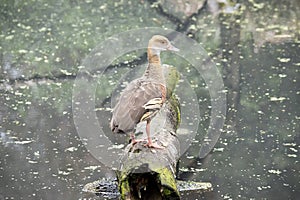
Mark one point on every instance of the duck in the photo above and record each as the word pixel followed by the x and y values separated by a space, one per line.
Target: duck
pixel 142 98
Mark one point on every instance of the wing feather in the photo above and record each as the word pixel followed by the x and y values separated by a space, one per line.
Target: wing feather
pixel 132 104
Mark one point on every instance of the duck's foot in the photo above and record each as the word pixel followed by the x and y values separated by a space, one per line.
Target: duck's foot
pixel 134 141
pixel 150 144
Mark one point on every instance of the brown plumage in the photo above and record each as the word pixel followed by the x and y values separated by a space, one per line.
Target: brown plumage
pixel 143 97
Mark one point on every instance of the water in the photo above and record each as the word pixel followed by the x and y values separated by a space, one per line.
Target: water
pixel 43 44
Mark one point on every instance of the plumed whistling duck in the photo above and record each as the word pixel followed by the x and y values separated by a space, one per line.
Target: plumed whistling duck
pixel 143 97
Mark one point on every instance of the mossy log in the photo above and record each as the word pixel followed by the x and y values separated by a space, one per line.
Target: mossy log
pixel 148 173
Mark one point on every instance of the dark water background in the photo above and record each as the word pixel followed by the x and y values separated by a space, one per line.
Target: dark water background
pixel 255 45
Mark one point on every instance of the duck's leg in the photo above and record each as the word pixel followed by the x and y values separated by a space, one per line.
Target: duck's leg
pixel 133 140
pixel 150 143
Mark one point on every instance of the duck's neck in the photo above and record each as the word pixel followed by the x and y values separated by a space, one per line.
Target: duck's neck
pixel 154 69
pixel 153 55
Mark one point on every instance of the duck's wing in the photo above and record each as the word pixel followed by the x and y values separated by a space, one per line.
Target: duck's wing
pixel 137 102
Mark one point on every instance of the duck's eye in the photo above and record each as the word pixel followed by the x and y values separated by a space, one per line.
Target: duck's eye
pixel 163 42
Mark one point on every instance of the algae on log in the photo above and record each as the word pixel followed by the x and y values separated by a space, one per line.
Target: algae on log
pixel 148 173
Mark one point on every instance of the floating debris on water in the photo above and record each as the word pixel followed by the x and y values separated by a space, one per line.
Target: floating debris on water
pixel 65 173
pixel 218 149
pixel 277 98
pixel 284 60
pixel 264 187
pixel 23 142
pixel 71 149
pixel 92 167
pixel 292 155
pixel 274 171
pixel 192 185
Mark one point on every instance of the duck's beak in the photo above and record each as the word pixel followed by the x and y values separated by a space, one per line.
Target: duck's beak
pixel 172 48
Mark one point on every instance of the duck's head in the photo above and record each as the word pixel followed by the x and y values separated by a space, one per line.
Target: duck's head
pixel 160 43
